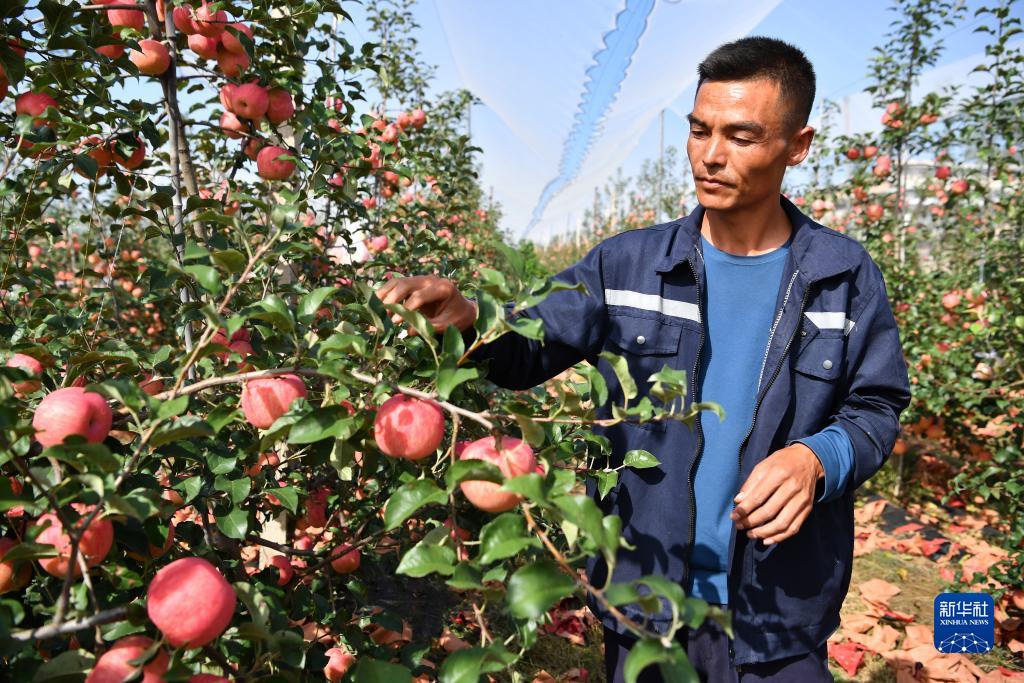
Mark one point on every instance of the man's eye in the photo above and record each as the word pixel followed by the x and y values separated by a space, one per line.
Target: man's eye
pixel 742 141
pixel 698 133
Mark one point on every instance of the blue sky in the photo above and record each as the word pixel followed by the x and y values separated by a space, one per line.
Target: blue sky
pixel 838 37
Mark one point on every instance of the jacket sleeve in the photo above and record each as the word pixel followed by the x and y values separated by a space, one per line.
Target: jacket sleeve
pixel 574 329
pixel 877 386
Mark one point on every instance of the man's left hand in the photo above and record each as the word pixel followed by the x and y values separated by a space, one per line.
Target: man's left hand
pixel 777 497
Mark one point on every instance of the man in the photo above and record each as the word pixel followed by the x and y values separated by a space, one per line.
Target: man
pixel 785 323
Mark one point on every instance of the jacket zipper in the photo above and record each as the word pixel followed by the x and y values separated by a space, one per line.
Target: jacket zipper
pixel 700 433
pixel 778 368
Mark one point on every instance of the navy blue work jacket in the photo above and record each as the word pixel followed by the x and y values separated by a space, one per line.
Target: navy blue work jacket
pixel 833 357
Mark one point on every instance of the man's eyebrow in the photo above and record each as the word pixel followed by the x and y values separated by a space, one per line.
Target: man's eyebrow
pixel 749 126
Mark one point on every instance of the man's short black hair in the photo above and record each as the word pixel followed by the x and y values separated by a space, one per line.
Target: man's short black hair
pixel 771 59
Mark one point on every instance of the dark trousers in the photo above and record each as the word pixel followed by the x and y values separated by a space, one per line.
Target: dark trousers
pixel 708 650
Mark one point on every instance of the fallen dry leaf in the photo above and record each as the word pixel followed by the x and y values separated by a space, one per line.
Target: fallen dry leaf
pixel 908 528
pixel 878 592
pixel 918 634
pixel 847 655
pixel 869 511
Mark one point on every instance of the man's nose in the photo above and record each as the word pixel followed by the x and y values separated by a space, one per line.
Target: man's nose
pixel 714 153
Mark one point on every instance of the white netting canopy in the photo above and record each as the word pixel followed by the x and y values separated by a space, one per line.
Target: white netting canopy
pixel 572 91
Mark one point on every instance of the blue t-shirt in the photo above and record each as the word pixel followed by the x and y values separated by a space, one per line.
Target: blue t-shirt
pixel 741 295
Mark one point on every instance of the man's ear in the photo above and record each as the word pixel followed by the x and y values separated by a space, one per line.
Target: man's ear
pixel 800 145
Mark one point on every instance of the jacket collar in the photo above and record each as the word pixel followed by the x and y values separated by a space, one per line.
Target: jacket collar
pixel 815 255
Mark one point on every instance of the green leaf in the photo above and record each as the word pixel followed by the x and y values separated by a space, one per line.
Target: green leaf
pixel 424 559
pixel 311 303
pixel 230 260
pixel 207 276
pixel 536 588
pixel 606 481
pixel 532 431
pixel 173 407
pixel 30 551
pixel 449 376
pixel 237 489
pixel 189 488
pixel 409 498
pixel 67 667
pixel 288 495
pixel 472 470
pixel 275 311
pixel 504 536
pixel 329 422
pixel 672 662
pixel 376 671
pixel 466 577
pixel 234 524
pixel 621 369
pixel 453 345
pixel 186 427
pixel 640 459
pixel 470 664
pixel 416 320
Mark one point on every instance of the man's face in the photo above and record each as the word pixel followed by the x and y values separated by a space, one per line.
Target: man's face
pixel 740 145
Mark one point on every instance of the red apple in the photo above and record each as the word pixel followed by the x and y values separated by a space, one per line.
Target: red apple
pixel 403 120
pixel 875 212
pixel 204 46
pixel 853 154
pixel 270 165
pixel 232 63
pixel 942 172
pixel 250 101
pixel 951 300
pixel 346 559
pixel 153 60
pixel 280 106
pixel 152 384
pixel 958 187
pixel 30 365
pixel 870 151
pixel 390 134
pixel 98 150
pixel 418 118
pixel 34 104
pixel 182 17
pixel 72 410
pixel 408 427
pixel 253 146
pixel 114 665
pixel 138 153
pixel 285 569
pixel 190 602
pixel 93 546
pixel 267 398
pixel 514 457
pixel 231 42
pixel 210 23
pixel 232 127
pixel 128 18
pixel 227 91
pixel 883 166
pixel 110 51
pixel 12 579
pixel 338 663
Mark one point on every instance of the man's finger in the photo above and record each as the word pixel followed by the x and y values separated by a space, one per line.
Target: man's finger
pixel 758 487
pixel 399 292
pixel 794 526
pixel 764 512
pixel 786 509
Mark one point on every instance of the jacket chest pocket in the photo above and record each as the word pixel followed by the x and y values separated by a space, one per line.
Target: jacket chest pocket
pixel 647 344
pixel 821 354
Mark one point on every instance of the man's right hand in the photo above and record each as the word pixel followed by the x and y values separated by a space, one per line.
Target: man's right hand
pixel 436 298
